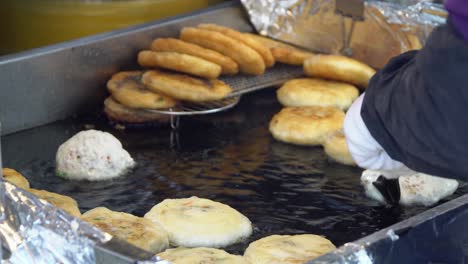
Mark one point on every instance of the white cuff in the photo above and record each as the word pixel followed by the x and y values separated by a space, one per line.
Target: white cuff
pixel 365 150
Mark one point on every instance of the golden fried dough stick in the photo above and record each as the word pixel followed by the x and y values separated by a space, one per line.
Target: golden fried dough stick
pixel 283 52
pixel 184 87
pixel 228 65
pixel 127 89
pixel 339 68
pixel 263 50
pixel 179 62
pixel 249 60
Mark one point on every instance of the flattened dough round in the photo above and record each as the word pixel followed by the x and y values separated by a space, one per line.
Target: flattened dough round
pixel 200 255
pixel 317 92
pixel 248 59
pixel 127 89
pixel 198 222
pixel 286 249
pixel 308 125
pixel 184 87
pixel 339 68
pixel 119 113
pixel 228 65
pixel 138 231
pixel 63 202
pixel 336 148
pixel 263 50
pixel 16 178
pixel 179 62
pixel 283 52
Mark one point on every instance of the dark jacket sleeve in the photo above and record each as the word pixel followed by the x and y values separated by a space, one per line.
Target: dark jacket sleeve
pixel 416 107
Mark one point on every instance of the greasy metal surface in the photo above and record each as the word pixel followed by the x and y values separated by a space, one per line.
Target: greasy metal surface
pixel 229 157
pixel 383 245
pixel 52 83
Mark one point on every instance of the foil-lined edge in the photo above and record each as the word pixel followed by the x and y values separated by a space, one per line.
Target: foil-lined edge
pixel 281 19
pixel 272 17
pixel 349 253
pixel 32 230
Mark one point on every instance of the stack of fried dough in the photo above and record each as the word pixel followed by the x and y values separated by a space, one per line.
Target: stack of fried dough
pixel 187 69
pixel 314 106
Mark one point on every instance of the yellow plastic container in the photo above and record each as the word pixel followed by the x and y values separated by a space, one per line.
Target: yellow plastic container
pixel 26 24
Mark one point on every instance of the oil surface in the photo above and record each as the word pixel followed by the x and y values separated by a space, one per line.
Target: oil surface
pixel 228 157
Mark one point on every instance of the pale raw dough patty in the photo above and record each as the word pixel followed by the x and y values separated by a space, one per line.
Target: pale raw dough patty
pixel 286 249
pixel 138 231
pixel 316 92
pixel 336 148
pixel 306 125
pixel 198 222
pixel 200 255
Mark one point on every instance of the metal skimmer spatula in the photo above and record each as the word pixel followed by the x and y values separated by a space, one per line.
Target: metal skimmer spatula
pixel 240 85
pixel 353 9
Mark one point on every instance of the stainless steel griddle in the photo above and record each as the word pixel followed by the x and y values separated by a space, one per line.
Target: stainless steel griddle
pixel 229 157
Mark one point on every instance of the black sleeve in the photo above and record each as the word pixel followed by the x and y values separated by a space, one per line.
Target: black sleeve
pixel 416 107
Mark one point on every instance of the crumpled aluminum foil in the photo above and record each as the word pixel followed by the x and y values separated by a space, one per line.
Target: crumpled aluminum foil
pixel 388 28
pixel 33 231
pixel 349 253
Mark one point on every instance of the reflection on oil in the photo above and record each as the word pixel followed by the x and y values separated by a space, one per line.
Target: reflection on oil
pixel 228 157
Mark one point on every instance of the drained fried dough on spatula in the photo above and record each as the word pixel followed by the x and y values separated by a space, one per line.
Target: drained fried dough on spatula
pixel 184 87
pixel 249 60
pixel 179 62
pixel 228 65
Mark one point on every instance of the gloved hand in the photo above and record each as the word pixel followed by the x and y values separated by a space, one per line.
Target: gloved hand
pixel 365 150
pixel 411 188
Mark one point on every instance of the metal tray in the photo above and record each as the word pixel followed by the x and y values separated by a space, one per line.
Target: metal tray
pixel 229 157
